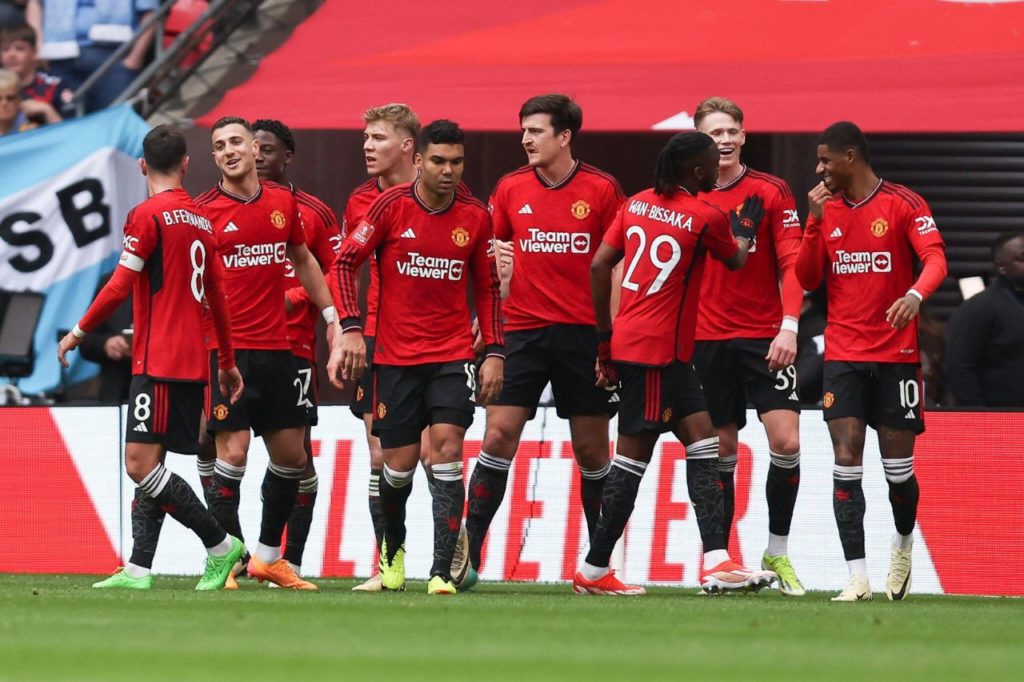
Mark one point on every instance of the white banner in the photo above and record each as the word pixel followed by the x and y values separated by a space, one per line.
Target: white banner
pixel 539 532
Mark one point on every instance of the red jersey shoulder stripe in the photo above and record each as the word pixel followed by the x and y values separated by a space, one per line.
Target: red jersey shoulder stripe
pixel 593 170
pixel 206 197
pixel 522 170
pixel 772 180
pixel 387 197
pixel 912 198
pixel 471 200
pixel 370 186
pixel 318 206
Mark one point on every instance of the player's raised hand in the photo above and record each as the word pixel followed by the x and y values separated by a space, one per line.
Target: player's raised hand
pixel 903 311
pixel 816 199
pixel 65 346
pixel 231 384
pixel 492 375
pixel 782 351
pixel 605 370
pixel 747 218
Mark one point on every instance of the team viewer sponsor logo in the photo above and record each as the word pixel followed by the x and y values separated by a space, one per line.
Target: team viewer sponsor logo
pixel 861 262
pixel 255 255
pixel 542 241
pixel 431 267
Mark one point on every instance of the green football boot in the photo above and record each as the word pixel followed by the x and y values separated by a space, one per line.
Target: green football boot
pixel 219 567
pixel 392 574
pixel 122 581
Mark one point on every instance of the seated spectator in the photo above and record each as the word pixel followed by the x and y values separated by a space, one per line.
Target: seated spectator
pixel 15 115
pixel 18 54
pixel 80 35
pixel 12 12
pixel 985 336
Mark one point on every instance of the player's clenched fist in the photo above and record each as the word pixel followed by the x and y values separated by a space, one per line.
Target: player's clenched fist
pixel 816 199
pixel 492 375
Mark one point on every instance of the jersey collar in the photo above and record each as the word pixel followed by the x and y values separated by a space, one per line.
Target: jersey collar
pixel 869 197
pixel 240 199
pixel 735 181
pixel 561 183
pixel 428 209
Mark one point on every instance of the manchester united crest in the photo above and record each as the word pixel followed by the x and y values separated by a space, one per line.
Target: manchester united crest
pixel 666 416
pixel 277 219
pixel 580 210
pixel 382 410
pixel 220 412
pixel 828 400
pixel 879 227
pixel 460 236
pixel 359 392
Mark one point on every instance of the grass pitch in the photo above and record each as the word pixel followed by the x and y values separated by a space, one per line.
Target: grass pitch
pixel 57 628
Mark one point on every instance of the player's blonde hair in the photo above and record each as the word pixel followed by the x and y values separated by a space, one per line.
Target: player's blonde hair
pixel 717 104
pixel 398 115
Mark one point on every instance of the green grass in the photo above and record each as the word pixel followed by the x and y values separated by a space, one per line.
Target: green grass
pixel 56 627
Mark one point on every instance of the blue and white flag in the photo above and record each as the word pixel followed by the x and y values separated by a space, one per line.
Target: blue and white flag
pixel 65 190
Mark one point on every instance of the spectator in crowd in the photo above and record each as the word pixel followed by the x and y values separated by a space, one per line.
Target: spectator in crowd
pixel 42 94
pixel 15 115
pixel 985 336
pixel 80 35
pixel 12 12
pixel 110 348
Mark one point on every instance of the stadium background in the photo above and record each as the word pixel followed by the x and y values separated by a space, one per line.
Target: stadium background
pixel 913 100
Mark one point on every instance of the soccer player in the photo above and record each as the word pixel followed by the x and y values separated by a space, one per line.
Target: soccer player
pixel 428 238
pixel 323 237
pixel 169 265
pixel 258 227
pixel 555 210
pixel 863 233
pixel 389 142
pixel 663 234
pixel 746 344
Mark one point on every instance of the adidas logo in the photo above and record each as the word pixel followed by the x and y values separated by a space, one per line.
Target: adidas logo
pixel 793 396
pixel 409 234
pixel 231 227
pixel 141 428
pixel 836 234
pixel 526 210
pixel 614 398
pixel 911 415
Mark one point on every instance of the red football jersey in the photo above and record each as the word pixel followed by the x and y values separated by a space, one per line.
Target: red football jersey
pixel 323 239
pixel 746 303
pixel 868 249
pixel 555 230
pixel 252 239
pixel 170 242
pixel 422 258
pixel 664 241
pixel 359 203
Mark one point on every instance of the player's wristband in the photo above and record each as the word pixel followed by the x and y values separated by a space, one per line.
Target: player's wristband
pixel 351 324
pixel 330 314
pixel 494 350
pixel 77 332
pixel 790 325
pixel 916 294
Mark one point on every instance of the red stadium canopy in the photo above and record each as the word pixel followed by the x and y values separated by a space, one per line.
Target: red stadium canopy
pixel 793 65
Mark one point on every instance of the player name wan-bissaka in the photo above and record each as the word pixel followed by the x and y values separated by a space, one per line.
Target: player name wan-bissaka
pixel 431 267
pixel 662 215
pixel 180 215
pixel 248 256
